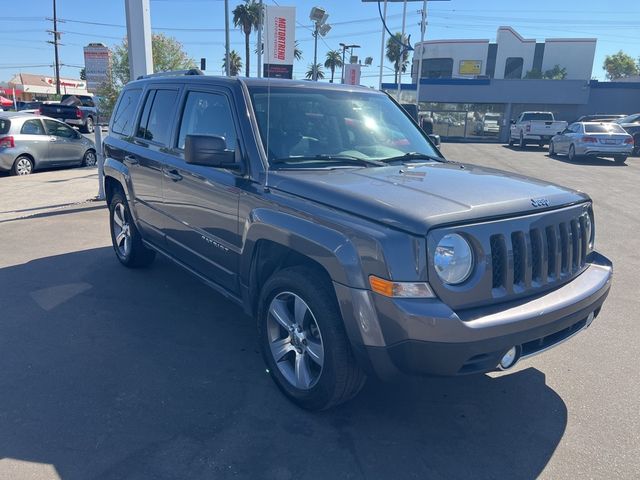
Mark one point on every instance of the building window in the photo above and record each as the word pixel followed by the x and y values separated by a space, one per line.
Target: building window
pixel 513 67
pixel 437 68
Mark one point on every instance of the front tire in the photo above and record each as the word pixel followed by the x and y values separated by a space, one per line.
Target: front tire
pixel 510 140
pixel 522 144
pixel 572 154
pixel 89 159
pixel 22 166
pixel 303 340
pixel 126 240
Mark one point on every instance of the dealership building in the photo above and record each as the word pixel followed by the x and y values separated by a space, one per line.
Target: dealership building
pixel 29 86
pixel 468 85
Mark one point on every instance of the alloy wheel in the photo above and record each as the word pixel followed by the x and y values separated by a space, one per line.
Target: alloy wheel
pixel 121 231
pixel 24 166
pixel 295 340
pixel 89 159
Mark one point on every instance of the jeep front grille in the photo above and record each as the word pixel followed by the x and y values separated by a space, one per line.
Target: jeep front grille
pixel 538 256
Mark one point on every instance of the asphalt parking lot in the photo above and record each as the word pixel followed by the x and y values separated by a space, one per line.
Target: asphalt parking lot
pixel 111 373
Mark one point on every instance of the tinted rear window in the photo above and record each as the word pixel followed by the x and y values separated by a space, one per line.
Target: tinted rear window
pixel 603 128
pixel 155 124
pixel 4 125
pixel 124 116
pixel 537 116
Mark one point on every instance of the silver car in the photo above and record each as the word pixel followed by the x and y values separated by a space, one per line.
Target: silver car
pixel 29 142
pixel 596 139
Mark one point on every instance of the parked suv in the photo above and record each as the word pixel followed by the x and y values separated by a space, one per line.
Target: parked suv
pixel 327 213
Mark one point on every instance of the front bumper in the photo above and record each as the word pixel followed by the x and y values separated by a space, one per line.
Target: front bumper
pixel 425 336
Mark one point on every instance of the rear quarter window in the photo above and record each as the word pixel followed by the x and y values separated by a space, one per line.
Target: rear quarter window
pixel 5 125
pixel 124 114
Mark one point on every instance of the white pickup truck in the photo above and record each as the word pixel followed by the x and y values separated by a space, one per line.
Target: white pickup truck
pixel 534 127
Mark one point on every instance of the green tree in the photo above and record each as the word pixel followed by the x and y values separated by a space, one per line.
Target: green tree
pixel 297 52
pixel 320 72
pixel 168 54
pixel 333 61
pixel 246 16
pixel 555 73
pixel 620 65
pixel 396 54
pixel 235 63
pixel 533 74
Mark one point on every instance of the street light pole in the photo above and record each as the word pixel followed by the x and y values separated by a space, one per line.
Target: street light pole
pixel 260 18
pixel 315 53
pixel 384 16
pixel 404 20
pixel 227 67
pixel 423 28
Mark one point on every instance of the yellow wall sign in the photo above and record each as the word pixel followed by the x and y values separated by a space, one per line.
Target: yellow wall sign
pixel 470 67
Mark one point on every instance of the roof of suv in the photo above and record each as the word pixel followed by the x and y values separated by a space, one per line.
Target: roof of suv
pixel 250 82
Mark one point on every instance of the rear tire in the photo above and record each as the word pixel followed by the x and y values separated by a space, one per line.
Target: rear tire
pixel 88 126
pixel 620 159
pixel 298 316
pixel 572 154
pixel 126 240
pixel 22 166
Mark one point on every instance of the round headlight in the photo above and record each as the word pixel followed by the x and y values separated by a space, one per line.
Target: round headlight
pixel 453 259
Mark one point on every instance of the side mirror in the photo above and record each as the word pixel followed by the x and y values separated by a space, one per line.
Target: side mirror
pixel 512 121
pixel 209 151
pixel 435 139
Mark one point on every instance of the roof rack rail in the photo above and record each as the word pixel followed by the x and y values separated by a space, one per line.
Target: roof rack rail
pixel 173 73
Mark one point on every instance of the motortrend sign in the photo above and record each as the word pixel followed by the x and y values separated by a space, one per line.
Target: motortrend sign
pixel 279 41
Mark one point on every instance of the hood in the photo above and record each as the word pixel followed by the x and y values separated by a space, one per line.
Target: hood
pixel 416 198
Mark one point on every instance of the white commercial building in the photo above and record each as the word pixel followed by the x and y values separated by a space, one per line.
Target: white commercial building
pixel 32 86
pixel 510 57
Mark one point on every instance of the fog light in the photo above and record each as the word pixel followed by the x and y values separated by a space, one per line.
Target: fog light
pixel 509 359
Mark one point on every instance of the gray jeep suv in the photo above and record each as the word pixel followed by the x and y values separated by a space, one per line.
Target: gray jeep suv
pixel 327 213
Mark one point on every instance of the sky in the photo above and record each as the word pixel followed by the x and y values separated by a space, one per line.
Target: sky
pixel 199 26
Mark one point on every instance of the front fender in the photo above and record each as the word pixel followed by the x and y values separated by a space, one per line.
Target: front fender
pixel 120 173
pixel 329 247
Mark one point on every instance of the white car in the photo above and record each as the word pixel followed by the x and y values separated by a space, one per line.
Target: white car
pixel 582 139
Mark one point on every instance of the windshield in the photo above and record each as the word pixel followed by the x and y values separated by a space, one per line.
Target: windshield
pixel 630 118
pixel 603 128
pixel 305 124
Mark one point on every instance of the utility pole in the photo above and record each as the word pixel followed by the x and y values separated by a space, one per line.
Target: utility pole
pixel 260 20
pixel 56 38
pixel 423 28
pixel 315 53
pixel 227 67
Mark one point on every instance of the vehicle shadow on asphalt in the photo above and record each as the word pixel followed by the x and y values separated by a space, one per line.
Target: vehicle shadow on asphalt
pixel 113 373
pixel 588 161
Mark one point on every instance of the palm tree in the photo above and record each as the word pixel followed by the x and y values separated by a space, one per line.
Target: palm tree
pixel 297 53
pixel 319 74
pixel 396 54
pixel 246 16
pixel 333 61
pixel 235 63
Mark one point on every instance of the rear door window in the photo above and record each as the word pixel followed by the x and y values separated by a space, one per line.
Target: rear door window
pixel 207 113
pixel 124 114
pixel 59 129
pixel 32 127
pixel 157 117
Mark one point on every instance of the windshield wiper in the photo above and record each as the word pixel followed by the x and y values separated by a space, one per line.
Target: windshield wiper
pixel 343 159
pixel 413 156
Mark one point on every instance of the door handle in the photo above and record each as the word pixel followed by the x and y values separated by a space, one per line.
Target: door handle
pixel 53 139
pixel 131 159
pixel 173 175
